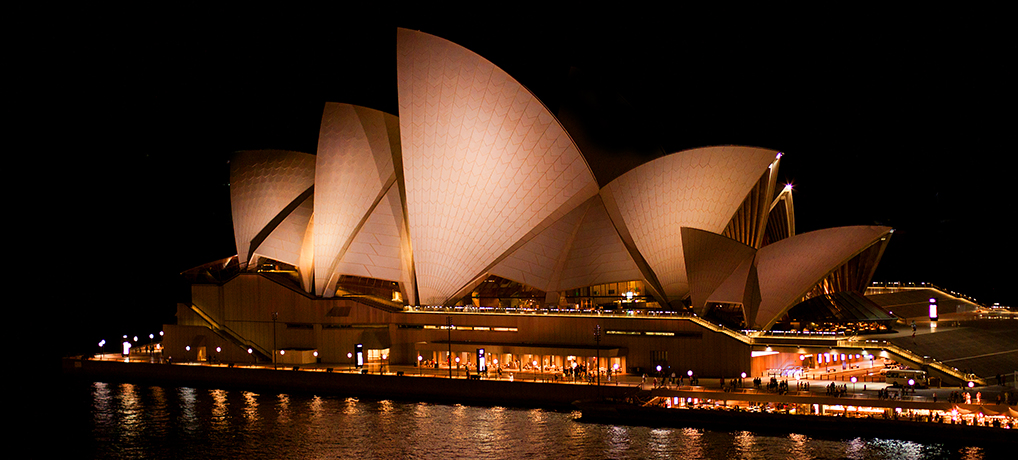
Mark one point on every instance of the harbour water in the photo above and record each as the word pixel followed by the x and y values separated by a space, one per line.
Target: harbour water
pixel 126 421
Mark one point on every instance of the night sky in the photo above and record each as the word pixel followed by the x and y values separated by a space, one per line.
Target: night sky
pixel 881 124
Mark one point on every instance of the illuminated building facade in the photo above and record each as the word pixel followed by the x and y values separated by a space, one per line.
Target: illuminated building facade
pixel 474 208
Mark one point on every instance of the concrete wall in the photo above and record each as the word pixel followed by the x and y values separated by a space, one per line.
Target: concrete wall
pixel 246 303
pixel 381 386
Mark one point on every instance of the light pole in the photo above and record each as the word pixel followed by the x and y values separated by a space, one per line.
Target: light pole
pixel 350 357
pixel 597 352
pixel 419 359
pixel 102 346
pixel 448 328
pixel 275 315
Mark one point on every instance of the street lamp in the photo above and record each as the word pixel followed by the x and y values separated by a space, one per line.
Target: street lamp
pixel 448 329
pixel 597 350
pixel 250 352
pixel 419 359
pixel 535 370
pixel 126 352
pixel 350 357
pixel 102 346
pixel 275 315
pixel 690 374
pixel 854 379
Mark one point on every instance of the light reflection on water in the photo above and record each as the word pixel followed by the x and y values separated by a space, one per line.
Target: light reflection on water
pixel 133 421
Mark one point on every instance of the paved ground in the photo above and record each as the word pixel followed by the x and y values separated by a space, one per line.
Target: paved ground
pixel 863 388
pixel 985 348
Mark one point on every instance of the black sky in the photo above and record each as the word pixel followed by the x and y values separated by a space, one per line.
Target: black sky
pixel 908 126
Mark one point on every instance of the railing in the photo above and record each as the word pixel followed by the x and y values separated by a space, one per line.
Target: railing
pixel 229 334
pixel 544 311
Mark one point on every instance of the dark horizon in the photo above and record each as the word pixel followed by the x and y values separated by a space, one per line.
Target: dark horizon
pixel 888 128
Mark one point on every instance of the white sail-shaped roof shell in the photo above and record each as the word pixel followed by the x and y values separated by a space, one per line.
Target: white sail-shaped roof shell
pixel 355 169
pixel 477 178
pixel 788 268
pixel 597 254
pixel 376 250
pixel 287 239
pixel 263 184
pixel 712 259
pixel 700 188
pixel 484 162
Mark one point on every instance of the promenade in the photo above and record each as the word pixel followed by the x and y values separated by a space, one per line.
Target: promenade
pixel 865 391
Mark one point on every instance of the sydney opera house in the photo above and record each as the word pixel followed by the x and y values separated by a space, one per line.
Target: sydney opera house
pixel 472 220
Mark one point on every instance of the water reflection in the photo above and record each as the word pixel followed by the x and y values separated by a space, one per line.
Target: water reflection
pixel 856 449
pixel 618 441
pixel 283 409
pixel 188 415
pixel 157 422
pixel 251 407
pixel 972 453
pixel 692 446
pixel 798 448
pixel 660 442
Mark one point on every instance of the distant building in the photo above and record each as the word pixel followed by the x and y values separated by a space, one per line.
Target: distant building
pixel 474 208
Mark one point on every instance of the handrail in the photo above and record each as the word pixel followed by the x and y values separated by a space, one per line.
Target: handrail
pixel 724 330
pixel 233 336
